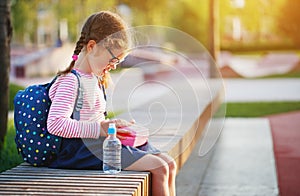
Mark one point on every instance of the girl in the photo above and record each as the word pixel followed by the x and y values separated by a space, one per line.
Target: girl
pixel 101 46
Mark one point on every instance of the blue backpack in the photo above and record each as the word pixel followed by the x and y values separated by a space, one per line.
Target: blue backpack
pixel 31 107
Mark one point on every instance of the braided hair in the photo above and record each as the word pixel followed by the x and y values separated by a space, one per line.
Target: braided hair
pixel 100 26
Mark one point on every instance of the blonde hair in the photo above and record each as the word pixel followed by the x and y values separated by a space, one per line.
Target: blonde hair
pixel 105 27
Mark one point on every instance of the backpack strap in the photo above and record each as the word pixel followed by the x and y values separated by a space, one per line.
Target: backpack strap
pixel 104 94
pixel 79 99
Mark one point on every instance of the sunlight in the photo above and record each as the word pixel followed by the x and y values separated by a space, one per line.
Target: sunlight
pixel 238 3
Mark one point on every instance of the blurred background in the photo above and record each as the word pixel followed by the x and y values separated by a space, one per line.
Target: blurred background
pixel 243 24
pixel 224 27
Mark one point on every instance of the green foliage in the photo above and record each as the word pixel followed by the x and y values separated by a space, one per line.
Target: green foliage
pixel 258 24
pixel 288 20
pixel 9 156
pixel 76 13
pixel 258 18
pixel 24 19
pixel 25 15
pixel 149 12
pixel 191 18
pixel 185 15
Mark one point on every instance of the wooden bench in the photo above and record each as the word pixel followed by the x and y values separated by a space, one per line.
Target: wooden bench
pixel 25 179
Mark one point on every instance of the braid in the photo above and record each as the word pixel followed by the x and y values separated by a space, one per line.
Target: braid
pixel 79 45
pixel 84 38
pixel 100 27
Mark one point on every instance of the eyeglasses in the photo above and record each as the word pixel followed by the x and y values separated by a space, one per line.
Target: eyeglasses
pixel 114 60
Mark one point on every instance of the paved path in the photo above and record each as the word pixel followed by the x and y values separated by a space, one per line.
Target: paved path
pixel 243 162
pixel 243 90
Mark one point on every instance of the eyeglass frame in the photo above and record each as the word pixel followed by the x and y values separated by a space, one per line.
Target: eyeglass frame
pixel 111 61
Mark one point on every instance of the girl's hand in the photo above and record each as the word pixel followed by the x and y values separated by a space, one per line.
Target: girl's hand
pixel 104 128
pixel 120 123
pixel 123 123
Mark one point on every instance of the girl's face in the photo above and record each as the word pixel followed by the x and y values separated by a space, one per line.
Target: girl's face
pixel 102 59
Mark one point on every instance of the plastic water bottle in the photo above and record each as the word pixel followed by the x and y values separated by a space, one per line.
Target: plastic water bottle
pixel 112 151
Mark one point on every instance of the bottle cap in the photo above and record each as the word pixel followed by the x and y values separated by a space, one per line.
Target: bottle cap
pixel 112 128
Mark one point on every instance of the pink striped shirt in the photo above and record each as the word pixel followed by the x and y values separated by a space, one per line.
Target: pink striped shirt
pixel 63 94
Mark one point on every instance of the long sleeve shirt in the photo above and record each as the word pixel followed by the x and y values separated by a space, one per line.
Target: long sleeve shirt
pixel 63 94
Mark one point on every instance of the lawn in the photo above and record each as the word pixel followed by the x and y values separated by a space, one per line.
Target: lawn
pixel 9 156
pixel 13 89
pixel 259 109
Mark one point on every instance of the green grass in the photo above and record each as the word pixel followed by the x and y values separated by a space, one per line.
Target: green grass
pixel 9 156
pixel 294 74
pixel 258 109
pixel 13 89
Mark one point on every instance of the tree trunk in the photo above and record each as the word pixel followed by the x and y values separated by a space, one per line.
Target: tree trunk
pixel 214 45
pixel 5 37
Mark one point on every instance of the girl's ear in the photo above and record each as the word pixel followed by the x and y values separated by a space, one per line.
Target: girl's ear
pixel 90 45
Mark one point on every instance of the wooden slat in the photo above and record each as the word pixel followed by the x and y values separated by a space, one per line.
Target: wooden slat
pixel 60 193
pixel 28 180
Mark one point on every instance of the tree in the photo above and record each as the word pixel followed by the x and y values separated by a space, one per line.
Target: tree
pixel 191 17
pixel 5 37
pixel 213 42
pixel 24 20
pixel 149 12
pixel 288 20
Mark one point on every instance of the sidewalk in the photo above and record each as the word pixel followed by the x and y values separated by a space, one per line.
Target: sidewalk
pixel 243 162
pixel 275 89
